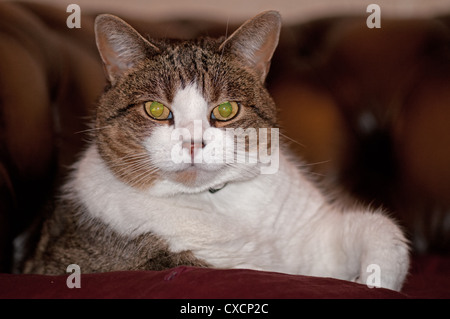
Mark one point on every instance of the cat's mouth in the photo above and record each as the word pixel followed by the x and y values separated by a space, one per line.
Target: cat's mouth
pixel 195 174
pixel 192 165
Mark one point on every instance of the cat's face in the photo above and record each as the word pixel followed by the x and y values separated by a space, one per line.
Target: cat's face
pixel 184 111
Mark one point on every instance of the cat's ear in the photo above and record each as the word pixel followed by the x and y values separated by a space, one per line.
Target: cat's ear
pixel 255 41
pixel 120 46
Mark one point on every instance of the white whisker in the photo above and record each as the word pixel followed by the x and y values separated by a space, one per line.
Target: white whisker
pixel 92 129
pixel 292 140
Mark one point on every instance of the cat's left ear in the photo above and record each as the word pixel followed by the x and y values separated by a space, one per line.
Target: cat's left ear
pixel 120 46
pixel 255 41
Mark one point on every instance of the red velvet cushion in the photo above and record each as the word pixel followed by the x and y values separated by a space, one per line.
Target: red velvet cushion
pixel 430 278
pixel 187 282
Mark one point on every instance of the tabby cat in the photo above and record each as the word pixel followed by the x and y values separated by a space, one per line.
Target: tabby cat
pixel 144 196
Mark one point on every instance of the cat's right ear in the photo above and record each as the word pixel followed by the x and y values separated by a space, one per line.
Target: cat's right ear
pixel 255 42
pixel 120 46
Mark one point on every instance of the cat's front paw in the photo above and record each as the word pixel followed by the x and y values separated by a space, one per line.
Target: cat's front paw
pixel 387 270
pixel 383 258
pixel 374 277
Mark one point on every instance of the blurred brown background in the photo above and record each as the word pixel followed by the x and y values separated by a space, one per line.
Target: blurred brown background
pixel 367 109
pixel 236 11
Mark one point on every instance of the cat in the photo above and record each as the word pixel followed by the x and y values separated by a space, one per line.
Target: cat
pixel 129 205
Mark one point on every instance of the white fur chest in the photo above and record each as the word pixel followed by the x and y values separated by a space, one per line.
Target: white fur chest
pixel 246 224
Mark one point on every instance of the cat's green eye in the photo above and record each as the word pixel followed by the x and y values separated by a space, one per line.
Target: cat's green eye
pixel 225 111
pixel 157 110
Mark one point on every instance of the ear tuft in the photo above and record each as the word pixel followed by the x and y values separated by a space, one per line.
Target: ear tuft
pixel 120 46
pixel 255 41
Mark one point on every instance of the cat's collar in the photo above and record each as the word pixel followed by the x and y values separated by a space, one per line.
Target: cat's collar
pixel 215 190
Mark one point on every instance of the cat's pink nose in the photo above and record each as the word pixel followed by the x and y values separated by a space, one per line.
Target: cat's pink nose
pixel 192 146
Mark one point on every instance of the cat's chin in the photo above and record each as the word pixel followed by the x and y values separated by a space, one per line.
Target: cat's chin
pixel 190 176
pixel 197 178
pixel 194 177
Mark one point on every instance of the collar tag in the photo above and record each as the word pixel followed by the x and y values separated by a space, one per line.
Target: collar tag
pixel 215 190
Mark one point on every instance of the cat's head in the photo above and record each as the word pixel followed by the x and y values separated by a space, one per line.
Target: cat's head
pixel 183 113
